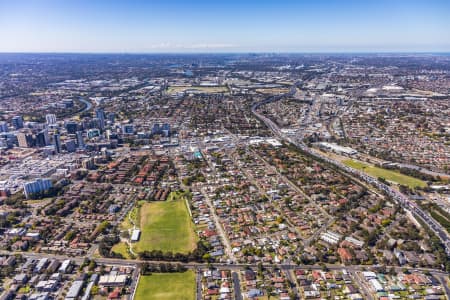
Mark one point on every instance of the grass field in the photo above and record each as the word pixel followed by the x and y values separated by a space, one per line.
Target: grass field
pixel 273 90
pixel 121 248
pixel 389 175
pixel 166 226
pixel 165 286
pixel 127 225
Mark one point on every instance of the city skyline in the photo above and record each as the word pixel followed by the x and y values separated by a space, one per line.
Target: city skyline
pixel 202 26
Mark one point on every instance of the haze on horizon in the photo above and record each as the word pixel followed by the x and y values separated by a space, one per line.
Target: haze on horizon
pixel 224 26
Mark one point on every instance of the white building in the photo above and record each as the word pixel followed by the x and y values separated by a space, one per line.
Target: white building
pixel 377 287
pixel 331 237
pixel 354 241
pixel 36 186
pixel 50 118
pixel 338 149
pixel 135 235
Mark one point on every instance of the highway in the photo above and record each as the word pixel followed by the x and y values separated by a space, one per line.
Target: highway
pixel 88 104
pixel 407 204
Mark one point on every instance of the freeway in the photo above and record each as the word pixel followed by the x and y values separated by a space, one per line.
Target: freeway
pixel 88 104
pixel 407 204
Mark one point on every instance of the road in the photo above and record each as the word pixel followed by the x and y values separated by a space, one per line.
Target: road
pixel 355 270
pixel 219 227
pixel 237 286
pixel 198 280
pixel 195 265
pixel 363 283
pixel 88 104
pixel 443 279
pixel 292 282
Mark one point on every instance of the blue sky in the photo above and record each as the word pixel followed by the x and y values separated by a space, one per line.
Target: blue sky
pixel 224 26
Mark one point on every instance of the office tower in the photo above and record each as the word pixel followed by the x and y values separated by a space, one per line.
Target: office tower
pixel 88 163
pixel 93 133
pixel 70 145
pixel 71 127
pixel 111 117
pixel 3 126
pixel 156 129
pixel 80 141
pixel 128 128
pixel 42 138
pixel 100 115
pixel 165 130
pixel 25 139
pixel 17 122
pixel 57 141
pixel 46 137
pixel 67 103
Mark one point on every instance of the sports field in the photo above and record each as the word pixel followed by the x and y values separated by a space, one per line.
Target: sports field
pixel 389 175
pixel 166 226
pixel 165 286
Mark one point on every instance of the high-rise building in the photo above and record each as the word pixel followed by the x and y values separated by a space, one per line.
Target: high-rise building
pixel 93 133
pixel 156 129
pixel 42 138
pixel 80 140
pixel 163 129
pixel 88 163
pixel 112 117
pixel 89 123
pixel 17 122
pixel 36 186
pixel 127 128
pixel 50 118
pixel 25 139
pixel 67 103
pixel 3 126
pixel 57 141
pixel 166 129
pixel 70 145
pixel 100 115
pixel 46 137
pixel 71 127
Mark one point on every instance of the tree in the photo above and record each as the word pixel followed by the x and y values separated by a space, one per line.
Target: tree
pixel 92 265
pixel 94 290
pixel 269 290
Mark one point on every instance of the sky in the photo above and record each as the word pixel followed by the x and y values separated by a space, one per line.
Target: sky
pixel 132 26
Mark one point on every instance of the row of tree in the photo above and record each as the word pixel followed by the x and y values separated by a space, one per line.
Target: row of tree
pixel 148 268
pixel 200 254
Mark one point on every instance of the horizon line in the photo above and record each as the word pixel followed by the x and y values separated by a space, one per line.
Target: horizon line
pixel 227 52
